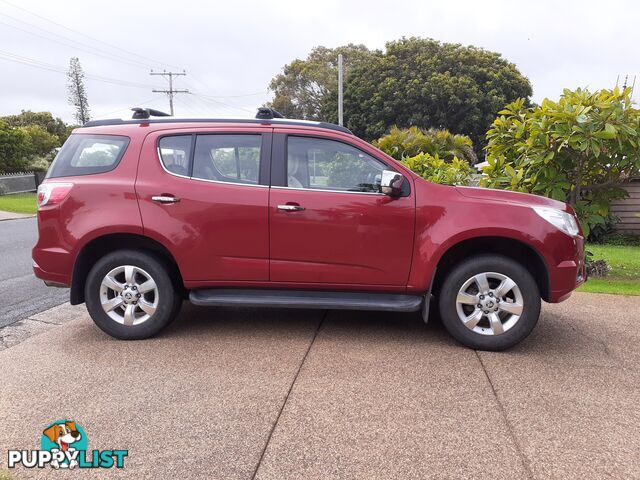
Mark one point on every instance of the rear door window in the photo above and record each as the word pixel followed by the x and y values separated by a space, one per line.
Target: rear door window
pixel 228 158
pixel 175 153
pixel 88 154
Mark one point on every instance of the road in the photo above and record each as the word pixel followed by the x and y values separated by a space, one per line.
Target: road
pixel 243 394
pixel 21 293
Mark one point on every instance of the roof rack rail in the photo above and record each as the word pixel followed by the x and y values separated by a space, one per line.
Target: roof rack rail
pixel 140 113
pixel 266 113
pixel 264 116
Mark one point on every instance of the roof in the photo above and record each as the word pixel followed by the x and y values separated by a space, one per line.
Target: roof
pixel 170 120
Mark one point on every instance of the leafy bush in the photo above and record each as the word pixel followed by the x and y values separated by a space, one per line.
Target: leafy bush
pixel 619 239
pixel 435 169
pixel 19 146
pixel 409 142
pixel 578 149
pixel 601 230
pixel 598 268
pixel 40 163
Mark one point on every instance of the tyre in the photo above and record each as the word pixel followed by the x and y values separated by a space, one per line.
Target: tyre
pixel 489 302
pixel 130 295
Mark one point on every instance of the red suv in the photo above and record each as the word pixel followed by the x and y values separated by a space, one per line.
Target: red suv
pixel 136 215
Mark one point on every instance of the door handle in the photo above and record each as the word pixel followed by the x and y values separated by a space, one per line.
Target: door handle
pixel 165 199
pixel 290 208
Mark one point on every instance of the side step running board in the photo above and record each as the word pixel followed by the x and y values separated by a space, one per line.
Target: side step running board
pixel 306 299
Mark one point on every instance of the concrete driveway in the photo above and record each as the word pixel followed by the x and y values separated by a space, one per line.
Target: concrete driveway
pixel 241 394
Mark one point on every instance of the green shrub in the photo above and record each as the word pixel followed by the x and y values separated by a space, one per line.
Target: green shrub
pixel 577 150
pixel 619 239
pixel 436 170
pixel 409 142
pixel 596 268
pixel 40 163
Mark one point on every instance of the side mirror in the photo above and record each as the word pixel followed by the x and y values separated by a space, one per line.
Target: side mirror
pixel 391 183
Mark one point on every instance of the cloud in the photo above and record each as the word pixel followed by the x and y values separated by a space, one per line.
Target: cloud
pixel 231 50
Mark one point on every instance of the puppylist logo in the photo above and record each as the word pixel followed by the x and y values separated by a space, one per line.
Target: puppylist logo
pixel 64 444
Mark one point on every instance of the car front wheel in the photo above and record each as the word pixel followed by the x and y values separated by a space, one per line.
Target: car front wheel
pixel 130 295
pixel 489 302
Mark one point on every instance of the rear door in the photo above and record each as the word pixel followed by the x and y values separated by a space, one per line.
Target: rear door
pixel 204 194
pixel 329 224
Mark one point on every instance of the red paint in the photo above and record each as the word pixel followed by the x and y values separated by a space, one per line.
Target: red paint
pixel 223 234
pixel 218 231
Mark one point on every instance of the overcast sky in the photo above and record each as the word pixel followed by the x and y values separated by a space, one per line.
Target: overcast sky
pixel 230 50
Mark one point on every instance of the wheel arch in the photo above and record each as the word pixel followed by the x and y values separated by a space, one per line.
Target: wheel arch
pixel 103 245
pixel 516 250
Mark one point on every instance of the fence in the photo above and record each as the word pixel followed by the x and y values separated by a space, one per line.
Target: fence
pixel 20 182
pixel 628 209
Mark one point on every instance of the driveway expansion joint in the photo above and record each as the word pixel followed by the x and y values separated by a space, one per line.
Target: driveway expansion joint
pixel 503 413
pixel 286 398
pixel 43 321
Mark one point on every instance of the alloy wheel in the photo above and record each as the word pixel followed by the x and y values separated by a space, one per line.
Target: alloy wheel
pixel 129 295
pixel 489 303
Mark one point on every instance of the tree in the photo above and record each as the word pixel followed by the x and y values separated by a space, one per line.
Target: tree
pixel 13 148
pixel 408 142
pixel 77 91
pixel 26 141
pixel 578 149
pixel 429 84
pixel 38 141
pixel 55 126
pixel 304 88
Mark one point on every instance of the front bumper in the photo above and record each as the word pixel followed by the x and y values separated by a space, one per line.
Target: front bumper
pixel 568 274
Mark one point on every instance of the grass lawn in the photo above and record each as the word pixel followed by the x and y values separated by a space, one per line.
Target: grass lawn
pixel 18 203
pixel 624 278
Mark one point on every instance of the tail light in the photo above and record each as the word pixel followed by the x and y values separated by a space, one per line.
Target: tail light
pixel 52 193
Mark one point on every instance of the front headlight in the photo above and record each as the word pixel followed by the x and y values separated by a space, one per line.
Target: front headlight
pixel 561 220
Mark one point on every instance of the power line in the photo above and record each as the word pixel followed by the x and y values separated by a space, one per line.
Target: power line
pixel 125 109
pixel 218 102
pixel 11 57
pixel 171 92
pixel 264 92
pixel 206 87
pixel 74 44
pixel 120 50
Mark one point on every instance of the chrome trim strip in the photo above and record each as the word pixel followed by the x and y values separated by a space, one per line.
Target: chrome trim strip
pixel 328 191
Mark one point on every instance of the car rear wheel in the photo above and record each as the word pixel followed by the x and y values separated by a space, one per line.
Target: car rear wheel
pixel 130 295
pixel 489 302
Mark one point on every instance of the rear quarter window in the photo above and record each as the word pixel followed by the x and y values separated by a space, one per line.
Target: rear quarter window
pixel 88 154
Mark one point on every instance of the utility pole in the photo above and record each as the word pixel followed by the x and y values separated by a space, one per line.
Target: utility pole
pixel 171 92
pixel 340 96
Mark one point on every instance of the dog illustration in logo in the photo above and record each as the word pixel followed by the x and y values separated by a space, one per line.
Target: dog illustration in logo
pixel 63 434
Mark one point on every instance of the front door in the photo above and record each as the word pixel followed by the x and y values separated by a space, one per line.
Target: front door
pixel 328 222
pixel 204 196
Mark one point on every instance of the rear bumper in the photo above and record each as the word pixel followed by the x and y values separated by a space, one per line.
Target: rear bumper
pixel 50 278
